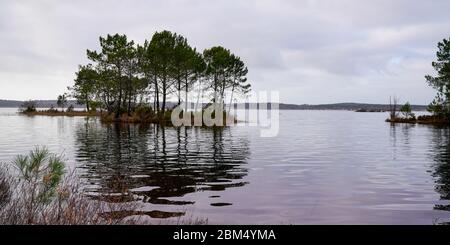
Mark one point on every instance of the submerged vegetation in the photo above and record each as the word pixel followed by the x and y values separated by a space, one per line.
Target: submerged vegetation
pixel 133 82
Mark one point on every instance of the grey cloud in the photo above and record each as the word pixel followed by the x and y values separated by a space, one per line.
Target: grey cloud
pixel 311 51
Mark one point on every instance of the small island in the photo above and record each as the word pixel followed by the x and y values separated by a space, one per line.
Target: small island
pixel 131 83
pixel 369 110
pixel 440 106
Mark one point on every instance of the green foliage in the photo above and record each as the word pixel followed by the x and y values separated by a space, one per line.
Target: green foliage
pixel 167 115
pixel 62 101
pixel 225 71
pixel 239 72
pixel 406 108
pixel 36 193
pixel 28 106
pixel 144 113
pixel 143 109
pixel 116 69
pixel 218 61
pixel 436 107
pixel 123 75
pixel 84 88
pixel 441 105
pixel 94 105
pixel 42 171
pixel 406 111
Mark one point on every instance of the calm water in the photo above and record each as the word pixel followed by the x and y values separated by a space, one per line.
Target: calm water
pixel 325 167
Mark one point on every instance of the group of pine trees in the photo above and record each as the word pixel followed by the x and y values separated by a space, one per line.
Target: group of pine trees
pixel 123 75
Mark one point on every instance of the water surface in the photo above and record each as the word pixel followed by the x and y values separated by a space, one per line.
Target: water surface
pixel 324 167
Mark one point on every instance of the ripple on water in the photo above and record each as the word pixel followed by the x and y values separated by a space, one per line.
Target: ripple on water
pixel 323 167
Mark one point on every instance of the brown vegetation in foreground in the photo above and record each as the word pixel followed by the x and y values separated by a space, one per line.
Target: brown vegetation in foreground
pixel 37 192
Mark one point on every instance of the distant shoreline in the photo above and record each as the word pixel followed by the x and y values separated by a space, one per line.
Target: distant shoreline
pixel 282 106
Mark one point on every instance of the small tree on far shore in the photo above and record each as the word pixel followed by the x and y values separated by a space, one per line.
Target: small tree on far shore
pixel 62 101
pixel 406 111
pixel 28 106
pixel 436 107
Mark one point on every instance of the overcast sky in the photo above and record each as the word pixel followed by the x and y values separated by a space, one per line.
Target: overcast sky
pixel 310 51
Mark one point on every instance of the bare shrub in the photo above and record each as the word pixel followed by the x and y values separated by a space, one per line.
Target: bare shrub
pixel 42 196
pixel 69 207
pixel 28 106
pixel 36 190
pixel 5 188
pixel 393 112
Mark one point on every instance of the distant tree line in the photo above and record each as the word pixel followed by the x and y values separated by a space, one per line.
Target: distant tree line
pixel 123 74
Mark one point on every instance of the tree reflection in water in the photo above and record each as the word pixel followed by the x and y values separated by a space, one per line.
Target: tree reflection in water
pixel 157 164
pixel 439 153
pixel 441 167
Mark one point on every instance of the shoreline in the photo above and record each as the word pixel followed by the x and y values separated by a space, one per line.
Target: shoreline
pixel 424 120
pixel 124 118
pixel 62 113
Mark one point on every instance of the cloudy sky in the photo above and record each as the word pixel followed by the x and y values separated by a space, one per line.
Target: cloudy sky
pixel 312 52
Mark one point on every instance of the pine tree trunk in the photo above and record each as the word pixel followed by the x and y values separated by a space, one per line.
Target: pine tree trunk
pixel 156 94
pixel 231 99
pixel 179 90
pixel 186 89
pixel 119 102
pixel 164 91
pixel 87 102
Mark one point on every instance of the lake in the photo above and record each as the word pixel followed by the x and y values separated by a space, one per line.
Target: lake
pixel 324 167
